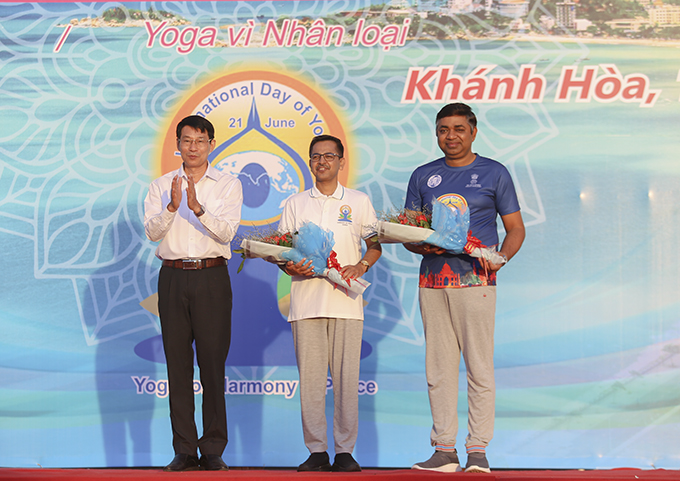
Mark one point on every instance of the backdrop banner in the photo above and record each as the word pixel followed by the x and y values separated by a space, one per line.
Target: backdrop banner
pixel 580 102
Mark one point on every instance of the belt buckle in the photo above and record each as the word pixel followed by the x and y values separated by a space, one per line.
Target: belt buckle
pixel 190 264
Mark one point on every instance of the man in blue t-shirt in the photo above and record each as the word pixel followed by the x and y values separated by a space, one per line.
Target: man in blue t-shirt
pixel 457 292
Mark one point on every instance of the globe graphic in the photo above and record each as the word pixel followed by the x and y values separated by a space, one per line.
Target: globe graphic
pixel 267 180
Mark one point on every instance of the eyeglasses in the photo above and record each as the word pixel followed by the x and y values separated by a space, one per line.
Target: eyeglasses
pixel 186 143
pixel 328 157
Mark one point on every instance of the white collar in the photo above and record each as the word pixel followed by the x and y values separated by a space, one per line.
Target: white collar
pixel 338 194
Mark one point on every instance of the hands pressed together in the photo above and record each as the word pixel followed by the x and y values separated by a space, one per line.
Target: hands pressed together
pixel 176 195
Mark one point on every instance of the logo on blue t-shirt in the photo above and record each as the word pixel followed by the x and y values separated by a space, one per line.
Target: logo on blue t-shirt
pixel 454 200
pixel 434 181
pixel 345 214
pixel 473 181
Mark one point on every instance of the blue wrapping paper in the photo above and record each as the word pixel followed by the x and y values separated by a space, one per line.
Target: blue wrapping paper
pixel 313 243
pixel 450 227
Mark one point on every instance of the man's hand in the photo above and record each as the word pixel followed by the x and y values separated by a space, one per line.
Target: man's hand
pixel 489 266
pixel 192 202
pixel 424 249
pixel 353 272
pixel 302 268
pixel 175 194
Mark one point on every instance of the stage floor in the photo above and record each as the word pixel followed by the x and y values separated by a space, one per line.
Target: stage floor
pixel 250 474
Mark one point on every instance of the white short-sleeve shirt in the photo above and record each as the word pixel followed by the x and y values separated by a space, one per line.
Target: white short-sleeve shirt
pixel 349 214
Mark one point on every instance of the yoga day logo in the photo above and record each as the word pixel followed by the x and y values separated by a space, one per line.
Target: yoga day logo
pixel 264 121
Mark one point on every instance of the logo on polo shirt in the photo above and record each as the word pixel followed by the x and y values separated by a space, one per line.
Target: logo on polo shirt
pixel 345 214
pixel 264 121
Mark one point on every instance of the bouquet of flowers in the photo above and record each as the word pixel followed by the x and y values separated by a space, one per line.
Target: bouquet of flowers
pixel 313 243
pixel 269 247
pixel 409 226
pixel 448 229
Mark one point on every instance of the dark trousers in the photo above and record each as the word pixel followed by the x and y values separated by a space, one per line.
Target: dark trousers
pixel 195 305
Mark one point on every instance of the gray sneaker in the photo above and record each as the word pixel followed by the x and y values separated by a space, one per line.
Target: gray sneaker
pixel 441 461
pixel 477 463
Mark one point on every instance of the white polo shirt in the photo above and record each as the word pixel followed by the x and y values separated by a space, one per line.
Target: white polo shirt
pixel 349 214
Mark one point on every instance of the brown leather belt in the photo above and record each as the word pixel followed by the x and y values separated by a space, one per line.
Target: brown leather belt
pixel 193 264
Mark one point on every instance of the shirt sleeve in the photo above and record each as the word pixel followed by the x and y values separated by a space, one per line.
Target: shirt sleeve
pixel 223 214
pixel 157 218
pixel 506 195
pixel 414 201
pixel 287 222
pixel 369 227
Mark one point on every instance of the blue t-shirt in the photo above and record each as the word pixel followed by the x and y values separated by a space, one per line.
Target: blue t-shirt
pixel 486 188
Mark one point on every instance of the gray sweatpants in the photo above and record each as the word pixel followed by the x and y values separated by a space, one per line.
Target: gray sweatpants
pixel 320 344
pixel 460 321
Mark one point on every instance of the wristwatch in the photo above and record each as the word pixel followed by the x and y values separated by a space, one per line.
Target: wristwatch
pixel 201 212
pixel 368 266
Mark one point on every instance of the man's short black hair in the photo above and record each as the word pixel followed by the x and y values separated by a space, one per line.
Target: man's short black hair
pixel 197 122
pixel 321 138
pixel 458 109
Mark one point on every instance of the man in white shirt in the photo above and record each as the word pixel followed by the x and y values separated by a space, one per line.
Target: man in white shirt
pixel 327 323
pixel 195 212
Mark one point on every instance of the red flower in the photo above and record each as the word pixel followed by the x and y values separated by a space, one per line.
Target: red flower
pixel 285 240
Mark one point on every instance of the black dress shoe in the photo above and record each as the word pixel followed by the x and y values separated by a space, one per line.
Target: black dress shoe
pixel 344 462
pixel 213 462
pixel 183 462
pixel 316 462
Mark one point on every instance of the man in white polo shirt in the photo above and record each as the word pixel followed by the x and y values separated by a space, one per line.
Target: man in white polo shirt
pixel 327 323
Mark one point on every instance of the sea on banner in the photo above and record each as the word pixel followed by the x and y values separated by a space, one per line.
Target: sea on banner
pixel 447 227
pixel 310 242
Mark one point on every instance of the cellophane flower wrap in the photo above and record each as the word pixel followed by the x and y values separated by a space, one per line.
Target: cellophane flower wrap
pixel 269 247
pixel 450 230
pixel 409 226
pixel 313 243
pixel 450 227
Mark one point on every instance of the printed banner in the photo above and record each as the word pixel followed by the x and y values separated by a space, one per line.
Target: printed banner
pixel 579 101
